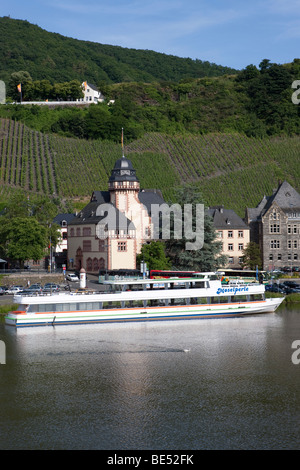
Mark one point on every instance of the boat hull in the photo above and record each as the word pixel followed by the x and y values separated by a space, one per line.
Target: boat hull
pixel 184 312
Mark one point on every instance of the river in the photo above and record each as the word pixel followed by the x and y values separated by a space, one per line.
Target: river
pixel 199 384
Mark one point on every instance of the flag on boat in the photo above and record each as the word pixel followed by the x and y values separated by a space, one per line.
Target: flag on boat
pixel 19 87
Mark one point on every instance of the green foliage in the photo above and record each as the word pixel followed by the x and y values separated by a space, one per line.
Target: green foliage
pixel 255 103
pixel 56 58
pixel 252 256
pixel 228 168
pixel 153 254
pixel 269 96
pixel 22 238
pixel 28 218
pixel 209 257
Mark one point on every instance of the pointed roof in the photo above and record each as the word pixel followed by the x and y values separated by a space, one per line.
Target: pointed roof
pixel 226 219
pixel 285 196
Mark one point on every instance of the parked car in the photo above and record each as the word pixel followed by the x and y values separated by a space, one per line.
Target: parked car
pixel 49 287
pixel 72 277
pixel 292 290
pixel 14 290
pixel 287 269
pixel 274 288
pixel 2 291
pixel 292 284
pixel 35 288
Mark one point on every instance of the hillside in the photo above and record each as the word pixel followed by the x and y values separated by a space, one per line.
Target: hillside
pixel 230 169
pixel 51 56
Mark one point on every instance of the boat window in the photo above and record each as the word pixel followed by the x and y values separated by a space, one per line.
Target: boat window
pixel 49 307
pixel 198 284
pixel 31 308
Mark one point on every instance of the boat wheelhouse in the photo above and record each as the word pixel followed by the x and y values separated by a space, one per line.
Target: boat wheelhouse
pixel 201 296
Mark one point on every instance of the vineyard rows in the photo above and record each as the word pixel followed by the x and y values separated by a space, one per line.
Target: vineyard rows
pixel 230 169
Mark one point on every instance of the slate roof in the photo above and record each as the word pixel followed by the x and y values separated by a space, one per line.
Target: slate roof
pixel 285 196
pixel 88 215
pixel 63 217
pixel 150 196
pixel 226 219
pixel 123 171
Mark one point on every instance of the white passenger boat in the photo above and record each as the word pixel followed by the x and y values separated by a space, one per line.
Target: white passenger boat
pixel 201 296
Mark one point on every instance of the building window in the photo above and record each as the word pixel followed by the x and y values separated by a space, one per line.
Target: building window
pixel 274 244
pixel 78 233
pixel 274 228
pixel 289 230
pixel 274 216
pixel 89 264
pixel 87 245
pixel 294 228
pixel 122 246
pixel 95 264
pixel 296 244
pixel 279 256
pixel 220 234
pixel 230 234
pixel 241 233
pixel 289 244
pixel 270 257
pixel 101 263
pixel 295 256
pixel 86 231
pixel 230 246
pixel 230 260
pixel 241 246
pixel 72 232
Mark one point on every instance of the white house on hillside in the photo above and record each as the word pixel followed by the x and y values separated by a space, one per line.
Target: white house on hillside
pixel 91 94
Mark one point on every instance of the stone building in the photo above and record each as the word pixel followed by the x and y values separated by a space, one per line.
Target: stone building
pixel 108 233
pixel 232 232
pixel 275 226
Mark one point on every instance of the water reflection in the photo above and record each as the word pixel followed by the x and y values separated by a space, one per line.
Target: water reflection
pixel 206 384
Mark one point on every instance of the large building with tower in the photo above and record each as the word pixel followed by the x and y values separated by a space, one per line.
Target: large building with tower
pixel 109 231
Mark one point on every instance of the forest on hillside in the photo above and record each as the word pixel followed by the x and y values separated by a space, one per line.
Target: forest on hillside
pixel 57 58
pixel 256 102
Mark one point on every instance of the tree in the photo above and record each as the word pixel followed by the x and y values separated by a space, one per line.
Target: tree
pixel 209 257
pixel 39 208
pixel 154 255
pixel 252 256
pixel 22 77
pixel 23 238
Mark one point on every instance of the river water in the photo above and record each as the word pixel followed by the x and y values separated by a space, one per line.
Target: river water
pixel 199 384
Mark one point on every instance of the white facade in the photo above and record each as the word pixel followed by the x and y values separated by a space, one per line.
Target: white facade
pixel 91 94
